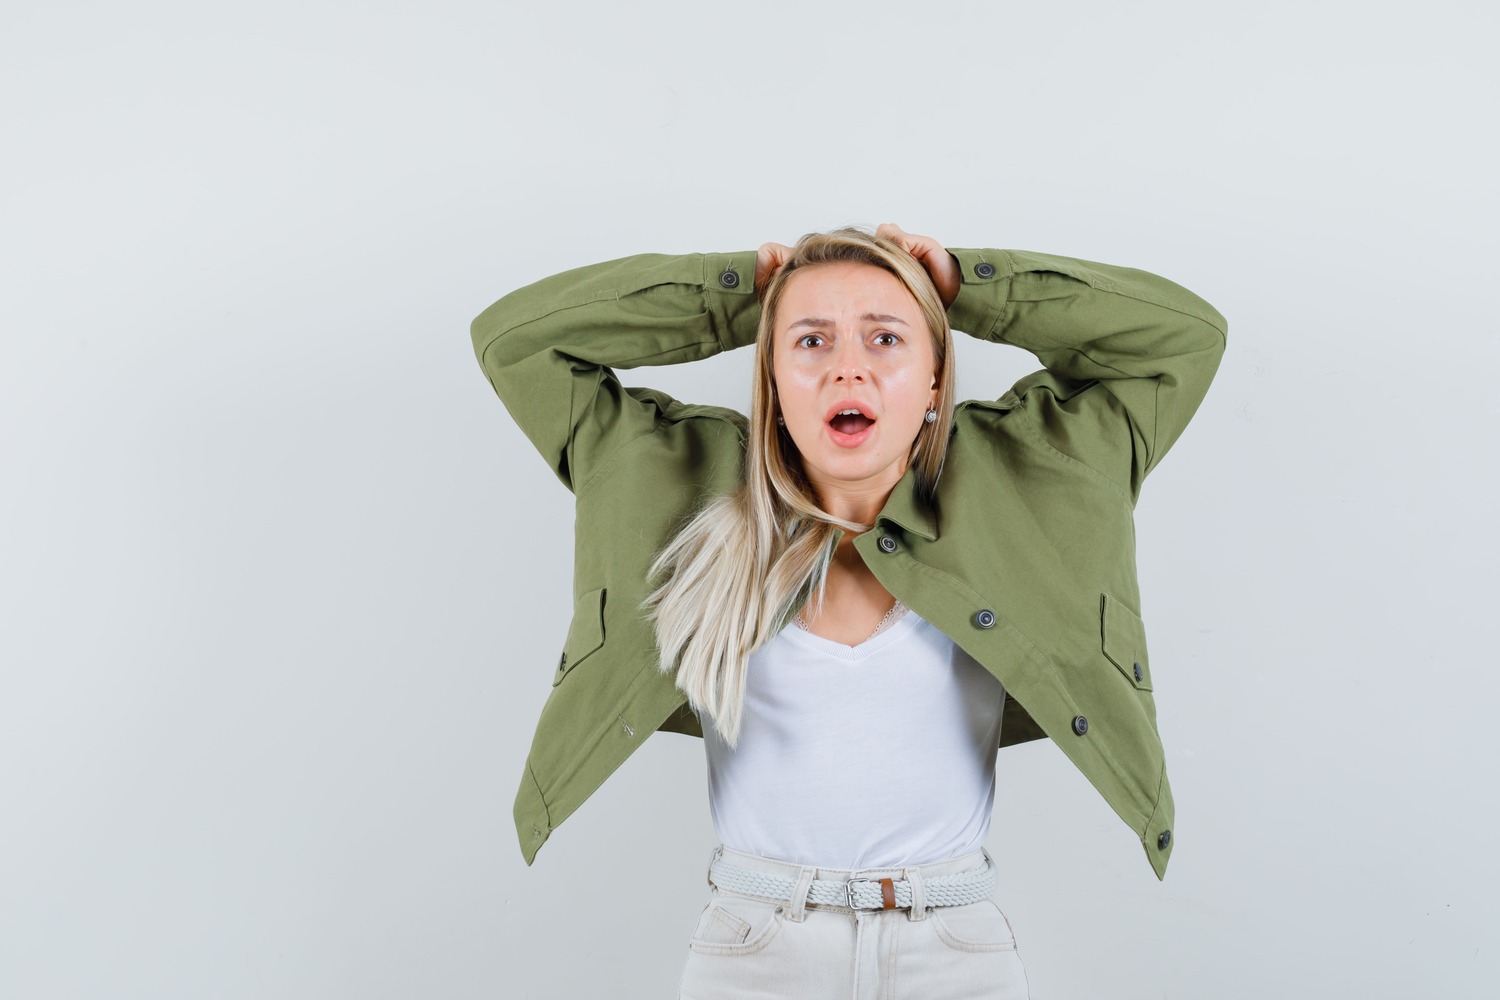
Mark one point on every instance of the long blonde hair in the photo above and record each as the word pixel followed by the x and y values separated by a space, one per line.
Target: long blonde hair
pixel 743 564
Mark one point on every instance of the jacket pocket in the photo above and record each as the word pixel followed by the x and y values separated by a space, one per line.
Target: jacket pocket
pixel 1124 638
pixel 585 634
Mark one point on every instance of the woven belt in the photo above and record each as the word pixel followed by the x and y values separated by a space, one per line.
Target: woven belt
pixel 860 893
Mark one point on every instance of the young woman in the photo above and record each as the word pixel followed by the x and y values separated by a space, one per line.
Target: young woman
pixel 861 592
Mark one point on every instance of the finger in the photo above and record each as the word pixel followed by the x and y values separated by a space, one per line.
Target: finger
pixel 930 253
pixel 921 247
pixel 925 249
pixel 918 246
pixel 775 251
pixel 769 258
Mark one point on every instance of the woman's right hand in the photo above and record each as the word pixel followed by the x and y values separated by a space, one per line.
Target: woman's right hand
pixel 768 260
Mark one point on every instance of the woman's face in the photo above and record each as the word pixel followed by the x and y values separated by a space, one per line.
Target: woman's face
pixel 850 336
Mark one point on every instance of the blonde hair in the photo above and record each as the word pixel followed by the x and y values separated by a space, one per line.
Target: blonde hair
pixel 742 565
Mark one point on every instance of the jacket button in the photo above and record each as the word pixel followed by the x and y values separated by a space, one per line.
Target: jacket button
pixel 984 618
pixel 1080 725
pixel 886 543
pixel 984 269
pixel 1139 673
pixel 729 279
pixel 1163 840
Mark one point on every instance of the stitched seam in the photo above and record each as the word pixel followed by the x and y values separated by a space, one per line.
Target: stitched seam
pixel 609 464
pixel 951 938
pixel 644 359
pixel 601 368
pixel 601 296
pixel 1110 288
pixel 1155 426
pixel 1155 806
pixel 1002 315
pixel 546 810
pixel 1042 438
pixel 1155 398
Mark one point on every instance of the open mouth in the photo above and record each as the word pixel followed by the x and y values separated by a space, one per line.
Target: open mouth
pixel 849 424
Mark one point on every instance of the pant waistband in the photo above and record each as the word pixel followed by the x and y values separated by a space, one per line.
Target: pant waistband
pixel 956 881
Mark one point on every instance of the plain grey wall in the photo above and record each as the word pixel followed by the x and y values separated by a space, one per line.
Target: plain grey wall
pixel 283 586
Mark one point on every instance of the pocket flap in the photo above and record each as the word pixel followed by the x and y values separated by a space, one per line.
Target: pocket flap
pixel 585 634
pixel 1124 639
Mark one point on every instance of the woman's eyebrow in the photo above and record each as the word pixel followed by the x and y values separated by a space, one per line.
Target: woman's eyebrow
pixel 872 317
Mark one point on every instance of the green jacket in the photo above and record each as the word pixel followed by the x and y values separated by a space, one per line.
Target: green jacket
pixel 1026 559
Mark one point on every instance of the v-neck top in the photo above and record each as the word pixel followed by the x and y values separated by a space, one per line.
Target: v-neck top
pixel 865 756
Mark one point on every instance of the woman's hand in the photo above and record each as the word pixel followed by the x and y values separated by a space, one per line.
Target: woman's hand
pixel 768 260
pixel 940 264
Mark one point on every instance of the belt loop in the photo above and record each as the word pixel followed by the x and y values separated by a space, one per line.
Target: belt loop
pixel 918 909
pixel 718 852
pixel 797 906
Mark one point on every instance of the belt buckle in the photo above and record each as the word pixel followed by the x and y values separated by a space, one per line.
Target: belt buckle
pixel 849 892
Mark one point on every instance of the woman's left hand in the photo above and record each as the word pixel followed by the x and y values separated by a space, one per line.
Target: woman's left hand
pixel 940 264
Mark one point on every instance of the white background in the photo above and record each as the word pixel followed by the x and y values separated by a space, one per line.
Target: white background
pixel 283 586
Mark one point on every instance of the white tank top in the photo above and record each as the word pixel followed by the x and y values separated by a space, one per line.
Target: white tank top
pixel 867 756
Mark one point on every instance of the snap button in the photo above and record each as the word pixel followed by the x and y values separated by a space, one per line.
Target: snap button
pixel 984 618
pixel 1139 673
pixel 729 279
pixel 984 269
pixel 1163 840
pixel 1080 725
pixel 886 543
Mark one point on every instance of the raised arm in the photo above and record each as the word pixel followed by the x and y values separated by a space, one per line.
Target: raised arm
pixel 1128 355
pixel 548 348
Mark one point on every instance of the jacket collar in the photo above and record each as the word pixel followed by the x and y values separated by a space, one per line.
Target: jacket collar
pixel 906 508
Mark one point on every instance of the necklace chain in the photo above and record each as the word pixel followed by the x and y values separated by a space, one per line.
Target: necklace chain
pixel 883 622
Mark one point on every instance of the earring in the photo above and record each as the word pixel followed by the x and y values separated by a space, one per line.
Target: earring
pixel 931 415
pixel 780 420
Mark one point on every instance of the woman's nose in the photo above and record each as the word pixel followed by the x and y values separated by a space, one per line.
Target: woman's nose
pixel 849 365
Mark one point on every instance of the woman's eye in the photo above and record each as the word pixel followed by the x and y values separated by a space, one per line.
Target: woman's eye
pixel 891 342
pixel 811 336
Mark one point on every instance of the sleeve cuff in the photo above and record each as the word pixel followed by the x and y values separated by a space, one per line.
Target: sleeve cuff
pixel 983 291
pixel 729 289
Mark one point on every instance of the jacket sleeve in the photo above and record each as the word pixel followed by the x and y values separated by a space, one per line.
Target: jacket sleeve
pixel 1128 355
pixel 549 348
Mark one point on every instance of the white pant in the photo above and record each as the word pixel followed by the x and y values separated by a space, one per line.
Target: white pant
pixel 747 947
